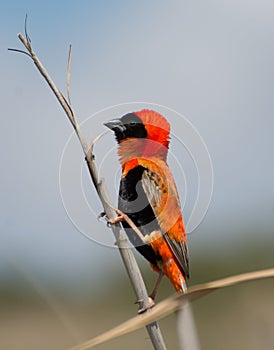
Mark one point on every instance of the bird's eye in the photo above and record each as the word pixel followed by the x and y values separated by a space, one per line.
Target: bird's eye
pixel 132 123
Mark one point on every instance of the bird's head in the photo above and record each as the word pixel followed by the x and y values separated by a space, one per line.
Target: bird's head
pixel 141 134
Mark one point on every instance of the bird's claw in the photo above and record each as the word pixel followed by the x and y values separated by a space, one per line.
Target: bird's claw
pixel 113 221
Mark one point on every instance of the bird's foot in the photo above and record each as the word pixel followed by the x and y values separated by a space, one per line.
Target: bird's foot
pixel 152 295
pixel 124 217
pixel 112 221
pixel 115 221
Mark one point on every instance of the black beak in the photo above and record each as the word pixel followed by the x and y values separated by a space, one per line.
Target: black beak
pixel 115 125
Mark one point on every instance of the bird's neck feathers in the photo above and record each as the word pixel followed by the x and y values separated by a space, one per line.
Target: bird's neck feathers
pixel 155 145
pixel 140 148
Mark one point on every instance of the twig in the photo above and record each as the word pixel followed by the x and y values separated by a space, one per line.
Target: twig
pixel 20 51
pixel 53 87
pixel 122 242
pixel 172 304
pixel 97 138
pixel 68 74
pixel 186 328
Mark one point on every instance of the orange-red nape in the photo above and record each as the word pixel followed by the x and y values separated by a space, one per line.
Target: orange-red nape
pixel 158 128
pixel 154 145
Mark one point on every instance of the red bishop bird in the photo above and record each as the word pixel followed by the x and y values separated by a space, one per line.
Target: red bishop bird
pixel 148 195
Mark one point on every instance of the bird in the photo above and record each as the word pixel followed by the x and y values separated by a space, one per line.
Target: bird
pixel 148 196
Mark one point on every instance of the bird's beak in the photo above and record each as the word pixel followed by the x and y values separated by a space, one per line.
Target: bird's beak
pixel 115 125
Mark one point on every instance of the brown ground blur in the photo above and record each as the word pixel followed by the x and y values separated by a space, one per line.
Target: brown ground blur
pixel 239 317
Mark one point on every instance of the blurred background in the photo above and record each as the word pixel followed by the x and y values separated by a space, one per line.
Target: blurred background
pixel 212 62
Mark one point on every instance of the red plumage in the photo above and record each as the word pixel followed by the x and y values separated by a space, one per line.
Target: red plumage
pixel 148 193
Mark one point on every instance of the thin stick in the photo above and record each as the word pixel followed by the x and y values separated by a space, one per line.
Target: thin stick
pixel 53 87
pixel 171 304
pixel 122 242
pixel 68 74
pixel 186 328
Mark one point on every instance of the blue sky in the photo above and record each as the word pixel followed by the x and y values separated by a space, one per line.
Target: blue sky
pixel 211 62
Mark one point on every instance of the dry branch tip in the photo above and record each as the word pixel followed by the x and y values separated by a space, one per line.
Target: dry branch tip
pixel 20 51
pixel 97 138
pixel 26 31
pixel 127 255
pixel 68 73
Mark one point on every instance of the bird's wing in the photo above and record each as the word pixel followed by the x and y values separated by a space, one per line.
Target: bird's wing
pixel 180 252
pixel 160 189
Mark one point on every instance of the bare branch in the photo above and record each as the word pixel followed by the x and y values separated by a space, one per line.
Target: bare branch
pixel 97 138
pixel 56 91
pixel 121 240
pixel 172 304
pixel 20 51
pixel 186 328
pixel 68 74
pixel 26 31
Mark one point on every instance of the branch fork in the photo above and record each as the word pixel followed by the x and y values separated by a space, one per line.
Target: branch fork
pixel 99 184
